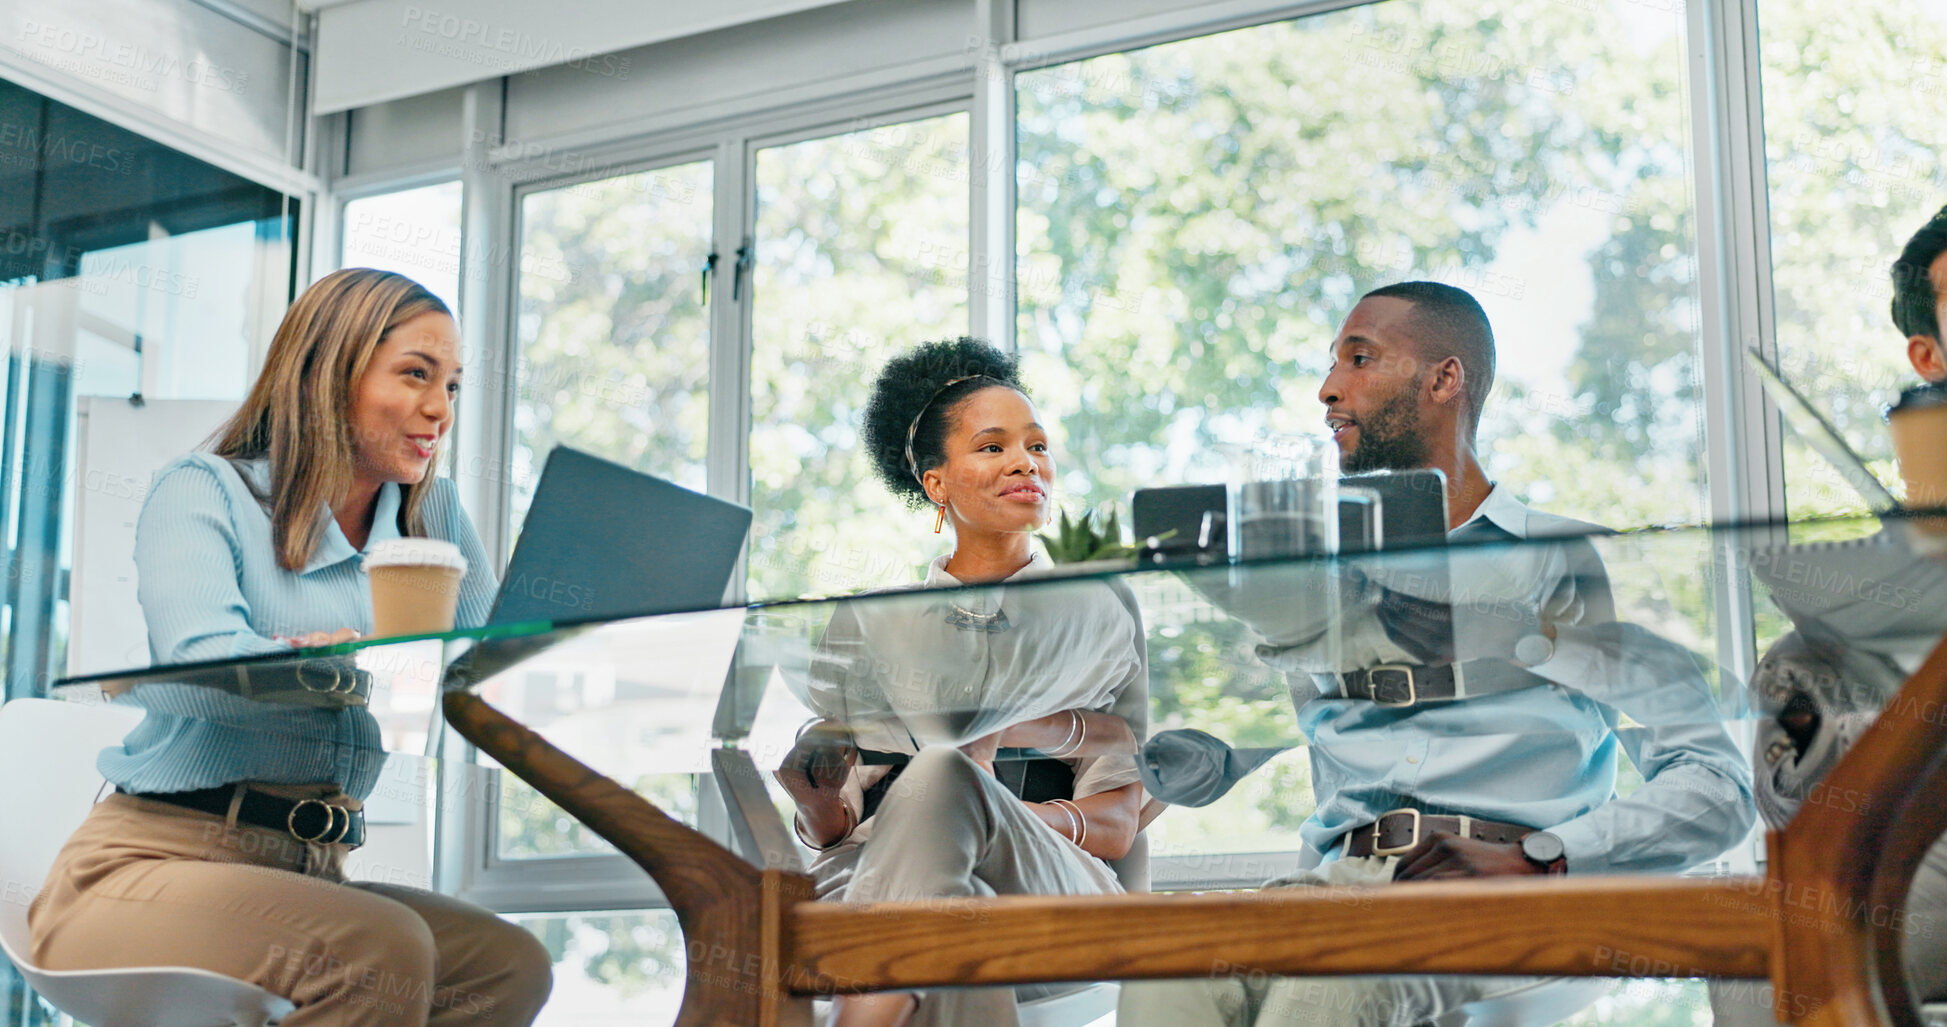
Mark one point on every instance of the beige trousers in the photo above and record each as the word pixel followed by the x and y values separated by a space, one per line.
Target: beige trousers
pixel 1236 995
pixel 948 829
pixel 145 883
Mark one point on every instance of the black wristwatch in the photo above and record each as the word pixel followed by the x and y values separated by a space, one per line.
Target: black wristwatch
pixel 1545 851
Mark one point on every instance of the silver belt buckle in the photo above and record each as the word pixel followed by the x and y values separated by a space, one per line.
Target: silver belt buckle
pixel 311 676
pixel 331 820
pixel 1379 827
pixel 1404 670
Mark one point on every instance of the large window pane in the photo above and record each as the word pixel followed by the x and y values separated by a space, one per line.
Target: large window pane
pixel 634 714
pixel 612 969
pixel 1195 220
pixel 1853 147
pixel 125 268
pixel 613 330
pixel 531 827
pixel 862 252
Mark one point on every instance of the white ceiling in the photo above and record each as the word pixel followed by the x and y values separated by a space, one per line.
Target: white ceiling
pixel 372 51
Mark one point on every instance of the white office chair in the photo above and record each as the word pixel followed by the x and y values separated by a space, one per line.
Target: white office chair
pixel 1092 1004
pixel 48 782
pixel 1549 1004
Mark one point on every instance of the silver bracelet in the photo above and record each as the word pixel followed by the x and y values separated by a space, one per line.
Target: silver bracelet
pixel 1071 743
pixel 1068 816
pixel 1075 818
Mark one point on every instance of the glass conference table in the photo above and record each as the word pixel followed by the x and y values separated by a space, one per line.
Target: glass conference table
pixel 1271 705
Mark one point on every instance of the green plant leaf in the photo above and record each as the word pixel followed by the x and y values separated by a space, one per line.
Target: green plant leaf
pixel 1094 535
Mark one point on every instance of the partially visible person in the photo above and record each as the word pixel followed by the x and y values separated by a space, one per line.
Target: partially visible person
pixel 1824 682
pixel 1920 297
pixel 224 844
pixel 899 787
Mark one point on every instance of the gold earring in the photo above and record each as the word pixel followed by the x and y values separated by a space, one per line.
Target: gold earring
pixel 940 521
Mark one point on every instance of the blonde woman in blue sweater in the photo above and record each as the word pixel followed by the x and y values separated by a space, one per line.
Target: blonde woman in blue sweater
pixel 206 855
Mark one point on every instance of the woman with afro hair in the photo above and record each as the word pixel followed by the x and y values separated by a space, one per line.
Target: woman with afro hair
pixel 927 695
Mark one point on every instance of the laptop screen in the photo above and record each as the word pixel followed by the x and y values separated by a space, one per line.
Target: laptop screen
pixel 602 541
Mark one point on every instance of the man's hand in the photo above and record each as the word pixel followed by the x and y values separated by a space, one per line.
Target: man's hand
pixel 1441 855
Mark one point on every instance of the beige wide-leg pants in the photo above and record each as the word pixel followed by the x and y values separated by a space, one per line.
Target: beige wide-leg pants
pixel 150 884
pixel 1238 996
pixel 949 829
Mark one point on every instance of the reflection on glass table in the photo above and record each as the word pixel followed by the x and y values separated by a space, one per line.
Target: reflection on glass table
pixel 1558 710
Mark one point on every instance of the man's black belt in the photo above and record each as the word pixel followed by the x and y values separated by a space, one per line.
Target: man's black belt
pixel 1405 684
pixel 1398 830
pixel 1409 684
pixel 307 820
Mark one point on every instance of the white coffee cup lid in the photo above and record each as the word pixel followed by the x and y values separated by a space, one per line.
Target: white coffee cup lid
pixel 414 552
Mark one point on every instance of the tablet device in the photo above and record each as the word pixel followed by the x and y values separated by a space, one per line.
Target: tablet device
pixel 1173 517
pixel 602 541
pixel 1412 508
pixel 1412 512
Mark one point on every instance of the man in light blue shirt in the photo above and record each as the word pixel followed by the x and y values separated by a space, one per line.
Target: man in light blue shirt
pixel 1464 707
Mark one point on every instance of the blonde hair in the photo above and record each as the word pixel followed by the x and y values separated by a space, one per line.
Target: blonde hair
pixel 298 414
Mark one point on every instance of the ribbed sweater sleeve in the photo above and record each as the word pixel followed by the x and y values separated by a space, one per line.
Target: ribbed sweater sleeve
pixel 189 570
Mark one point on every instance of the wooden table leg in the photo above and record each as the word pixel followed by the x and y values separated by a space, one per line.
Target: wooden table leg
pixel 1839 872
pixel 733 915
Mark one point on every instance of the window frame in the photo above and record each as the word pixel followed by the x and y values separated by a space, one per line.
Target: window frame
pixel 1743 436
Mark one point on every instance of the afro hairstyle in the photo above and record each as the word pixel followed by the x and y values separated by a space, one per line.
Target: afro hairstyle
pixel 914 387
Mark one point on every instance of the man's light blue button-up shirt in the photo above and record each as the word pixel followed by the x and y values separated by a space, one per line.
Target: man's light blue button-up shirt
pixel 1543 756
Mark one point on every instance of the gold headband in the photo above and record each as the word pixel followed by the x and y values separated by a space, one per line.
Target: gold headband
pixel 913 428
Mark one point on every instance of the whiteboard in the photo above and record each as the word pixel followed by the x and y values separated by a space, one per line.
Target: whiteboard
pixel 121 447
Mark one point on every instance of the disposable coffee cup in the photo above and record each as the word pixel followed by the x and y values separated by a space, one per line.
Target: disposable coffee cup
pixel 1919 425
pixel 415 586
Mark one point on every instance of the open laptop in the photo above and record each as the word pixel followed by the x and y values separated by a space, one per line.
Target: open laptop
pixel 602 541
pixel 1815 431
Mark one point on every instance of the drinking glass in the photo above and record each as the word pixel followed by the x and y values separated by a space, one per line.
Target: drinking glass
pixel 1284 498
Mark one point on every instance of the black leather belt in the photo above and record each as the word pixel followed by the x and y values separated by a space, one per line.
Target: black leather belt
pixel 307 820
pixel 1404 684
pixel 1398 830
